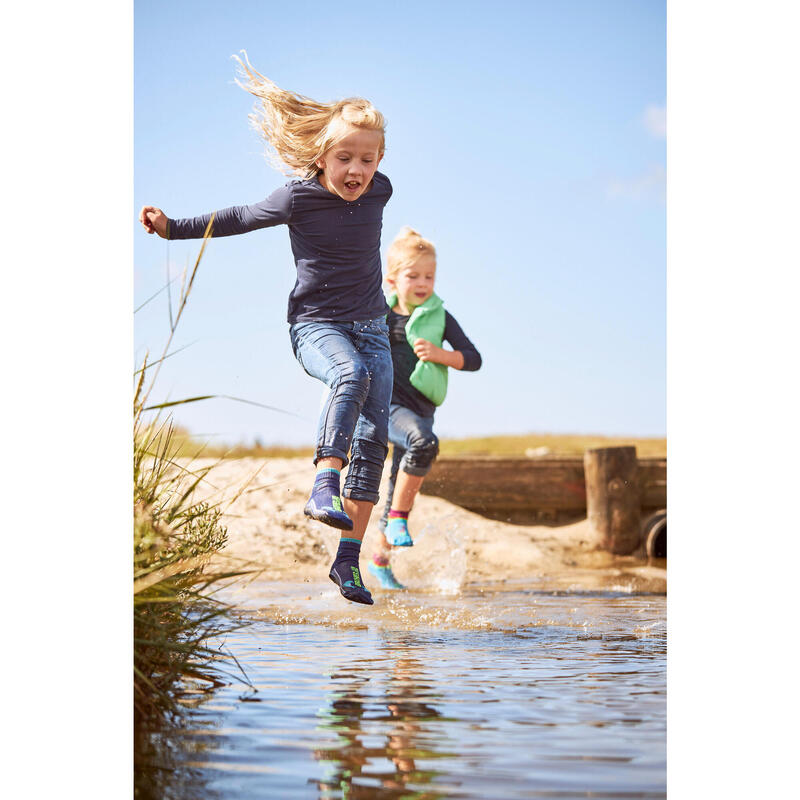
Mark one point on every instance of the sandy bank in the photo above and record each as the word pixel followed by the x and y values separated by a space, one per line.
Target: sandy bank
pixel 263 501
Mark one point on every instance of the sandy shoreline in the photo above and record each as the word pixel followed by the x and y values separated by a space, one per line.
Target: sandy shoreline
pixel 263 503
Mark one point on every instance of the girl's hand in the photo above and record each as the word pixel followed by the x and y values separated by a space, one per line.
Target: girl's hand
pixel 427 351
pixel 154 220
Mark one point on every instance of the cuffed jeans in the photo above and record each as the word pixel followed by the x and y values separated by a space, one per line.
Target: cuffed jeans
pixel 353 359
pixel 415 448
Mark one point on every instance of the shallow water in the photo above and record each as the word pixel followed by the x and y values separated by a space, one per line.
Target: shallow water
pixel 493 692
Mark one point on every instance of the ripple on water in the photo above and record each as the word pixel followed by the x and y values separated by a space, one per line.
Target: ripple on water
pixel 487 608
pixel 486 694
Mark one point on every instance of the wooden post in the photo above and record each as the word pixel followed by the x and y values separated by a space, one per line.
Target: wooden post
pixel 612 497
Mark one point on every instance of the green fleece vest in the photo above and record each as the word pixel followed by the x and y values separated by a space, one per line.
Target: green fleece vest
pixel 427 322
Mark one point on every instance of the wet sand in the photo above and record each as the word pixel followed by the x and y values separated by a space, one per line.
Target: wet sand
pixel 263 503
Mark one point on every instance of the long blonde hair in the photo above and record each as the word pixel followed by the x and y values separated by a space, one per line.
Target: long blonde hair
pixel 406 248
pixel 301 130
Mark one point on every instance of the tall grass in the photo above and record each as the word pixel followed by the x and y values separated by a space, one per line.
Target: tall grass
pixel 175 610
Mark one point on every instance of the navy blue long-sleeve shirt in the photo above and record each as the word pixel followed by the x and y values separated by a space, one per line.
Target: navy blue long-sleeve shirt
pixel 404 359
pixel 335 243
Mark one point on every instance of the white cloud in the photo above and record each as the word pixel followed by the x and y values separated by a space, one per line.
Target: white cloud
pixel 652 183
pixel 655 121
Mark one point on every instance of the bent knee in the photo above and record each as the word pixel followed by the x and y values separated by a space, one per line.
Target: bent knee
pixel 424 449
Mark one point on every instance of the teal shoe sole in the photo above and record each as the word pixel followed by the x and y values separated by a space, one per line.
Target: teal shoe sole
pixel 384 576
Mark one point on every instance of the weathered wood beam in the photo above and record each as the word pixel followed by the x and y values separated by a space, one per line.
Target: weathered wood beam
pixel 551 484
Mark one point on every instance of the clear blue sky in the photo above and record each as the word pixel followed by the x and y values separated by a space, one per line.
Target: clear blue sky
pixel 526 139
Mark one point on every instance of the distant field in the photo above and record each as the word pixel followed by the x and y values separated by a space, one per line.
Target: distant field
pixel 532 444
pixel 529 444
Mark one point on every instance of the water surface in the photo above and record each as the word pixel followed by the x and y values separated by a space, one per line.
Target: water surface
pixel 492 692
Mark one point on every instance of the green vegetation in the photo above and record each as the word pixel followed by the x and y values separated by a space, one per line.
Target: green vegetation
pixel 515 446
pixel 189 446
pixel 174 608
pixel 557 444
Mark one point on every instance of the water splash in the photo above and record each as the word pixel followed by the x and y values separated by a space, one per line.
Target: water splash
pixel 453 567
pixel 444 567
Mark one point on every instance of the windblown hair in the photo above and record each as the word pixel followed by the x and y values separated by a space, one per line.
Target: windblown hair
pixel 406 248
pixel 298 129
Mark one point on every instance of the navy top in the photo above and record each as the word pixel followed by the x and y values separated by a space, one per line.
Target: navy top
pixel 336 245
pixel 404 359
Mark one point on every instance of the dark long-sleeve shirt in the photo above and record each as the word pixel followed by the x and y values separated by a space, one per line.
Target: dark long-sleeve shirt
pixel 335 242
pixel 404 360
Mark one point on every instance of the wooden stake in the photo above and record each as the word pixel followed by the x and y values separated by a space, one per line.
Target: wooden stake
pixel 612 497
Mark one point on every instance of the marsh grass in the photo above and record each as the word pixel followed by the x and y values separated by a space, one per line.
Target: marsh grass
pixel 175 611
pixel 175 537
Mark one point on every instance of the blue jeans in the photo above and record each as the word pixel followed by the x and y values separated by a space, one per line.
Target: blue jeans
pixel 353 359
pixel 415 448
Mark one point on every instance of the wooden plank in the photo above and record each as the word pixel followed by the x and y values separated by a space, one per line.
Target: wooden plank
pixel 487 484
pixel 653 482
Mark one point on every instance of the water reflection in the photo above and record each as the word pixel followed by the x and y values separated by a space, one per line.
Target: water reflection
pixel 569 704
pixel 383 733
pixel 161 770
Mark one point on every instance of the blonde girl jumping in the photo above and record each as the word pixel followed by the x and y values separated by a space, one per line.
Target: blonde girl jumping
pixel 418 326
pixel 337 310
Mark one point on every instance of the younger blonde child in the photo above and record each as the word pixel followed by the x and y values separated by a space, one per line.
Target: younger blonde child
pixel 337 310
pixel 418 326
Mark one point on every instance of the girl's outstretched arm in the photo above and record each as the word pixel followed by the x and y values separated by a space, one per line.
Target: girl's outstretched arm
pixel 154 220
pixel 275 210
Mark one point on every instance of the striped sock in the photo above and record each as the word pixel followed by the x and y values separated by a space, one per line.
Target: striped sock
pixel 380 569
pixel 396 531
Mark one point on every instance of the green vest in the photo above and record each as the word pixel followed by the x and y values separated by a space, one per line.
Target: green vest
pixel 427 322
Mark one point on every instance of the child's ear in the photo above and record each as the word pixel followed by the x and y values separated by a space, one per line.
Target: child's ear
pixel 390 281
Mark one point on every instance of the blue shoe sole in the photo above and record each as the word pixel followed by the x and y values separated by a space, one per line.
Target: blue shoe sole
pixel 384 576
pixel 352 592
pixel 336 519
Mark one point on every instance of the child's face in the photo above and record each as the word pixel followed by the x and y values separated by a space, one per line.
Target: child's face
pixel 350 164
pixel 414 284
